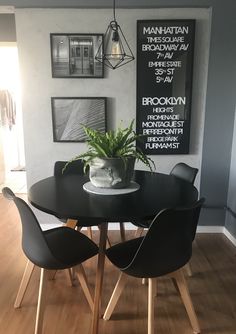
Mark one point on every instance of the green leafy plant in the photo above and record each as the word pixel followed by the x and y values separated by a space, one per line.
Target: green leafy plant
pixel 113 144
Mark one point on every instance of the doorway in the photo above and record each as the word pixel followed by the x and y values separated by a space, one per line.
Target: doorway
pixel 81 56
pixel 12 157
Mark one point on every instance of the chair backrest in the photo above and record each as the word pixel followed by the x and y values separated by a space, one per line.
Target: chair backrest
pixel 184 172
pixel 34 243
pixel 167 245
pixel 74 167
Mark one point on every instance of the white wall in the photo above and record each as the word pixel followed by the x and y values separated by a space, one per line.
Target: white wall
pixel 33 27
pixel 2 165
pixel 12 139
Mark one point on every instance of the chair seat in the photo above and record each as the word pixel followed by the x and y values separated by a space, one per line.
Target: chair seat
pixel 122 254
pixel 69 246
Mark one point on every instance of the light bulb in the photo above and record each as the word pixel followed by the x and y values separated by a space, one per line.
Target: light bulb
pixel 115 46
pixel 115 50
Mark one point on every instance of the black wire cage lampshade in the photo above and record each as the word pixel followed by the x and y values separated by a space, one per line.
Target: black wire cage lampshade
pixel 114 51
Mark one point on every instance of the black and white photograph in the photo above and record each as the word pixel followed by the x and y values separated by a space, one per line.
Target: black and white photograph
pixel 73 55
pixel 69 114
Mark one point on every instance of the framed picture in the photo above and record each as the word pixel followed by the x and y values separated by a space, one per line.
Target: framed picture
pixel 70 113
pixel 165 53
pixel 73 55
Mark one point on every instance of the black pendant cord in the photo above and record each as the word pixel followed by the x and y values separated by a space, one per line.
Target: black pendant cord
pixel 114 11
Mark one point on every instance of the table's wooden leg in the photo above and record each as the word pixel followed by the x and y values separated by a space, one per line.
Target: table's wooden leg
pixel 99 278
pixel 108 240
pixel 122 232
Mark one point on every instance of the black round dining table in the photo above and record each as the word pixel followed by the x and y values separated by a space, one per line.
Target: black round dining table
pixel 65 197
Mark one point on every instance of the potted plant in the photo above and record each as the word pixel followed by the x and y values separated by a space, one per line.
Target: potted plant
pixel 111 157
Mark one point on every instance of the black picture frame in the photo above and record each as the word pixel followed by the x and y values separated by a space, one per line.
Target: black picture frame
pixel 70 113
pixel 73 55
pixel 165 52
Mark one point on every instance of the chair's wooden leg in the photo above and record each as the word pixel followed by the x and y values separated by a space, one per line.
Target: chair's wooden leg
pixel 99 277
pixel 175 284
pixel 70 275
pixel 115 296
pixel 84 284
pixel 71 223
pixel 151 296
pixel 108 242
pixel 73 273
pixel 144 281
pixel 52 274
pixel 122 232
pixel 24 283
pixel 90 232
pixel 138 232
pixel 41 302
pixel 188 269
pixel 184 292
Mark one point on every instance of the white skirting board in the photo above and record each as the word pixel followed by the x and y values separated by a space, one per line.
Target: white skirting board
pixel 210 229
pixel 230 236
pixel 46 227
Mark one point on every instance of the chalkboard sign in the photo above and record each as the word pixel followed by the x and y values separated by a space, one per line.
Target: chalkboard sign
pixel 164 84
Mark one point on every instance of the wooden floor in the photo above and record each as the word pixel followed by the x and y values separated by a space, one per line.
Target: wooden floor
pixel 212 287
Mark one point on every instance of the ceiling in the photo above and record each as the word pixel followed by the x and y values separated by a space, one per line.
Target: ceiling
pixel 96 3
pixel 69 3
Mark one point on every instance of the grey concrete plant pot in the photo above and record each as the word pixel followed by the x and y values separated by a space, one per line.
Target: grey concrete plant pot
pixel 111 172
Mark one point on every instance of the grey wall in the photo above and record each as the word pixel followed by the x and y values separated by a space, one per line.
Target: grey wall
pixel 221 97
pixel 7 28
pixel 220 109
pixel 119 86
pixel 230 222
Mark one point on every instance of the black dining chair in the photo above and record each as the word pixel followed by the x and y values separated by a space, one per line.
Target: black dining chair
pixel 55 249
pixel 74 167
pixel 181 171
pixel 184 172
pixel 61 169
pixel 164 250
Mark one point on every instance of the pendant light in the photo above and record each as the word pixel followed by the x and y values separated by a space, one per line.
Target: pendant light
pixel 116 50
